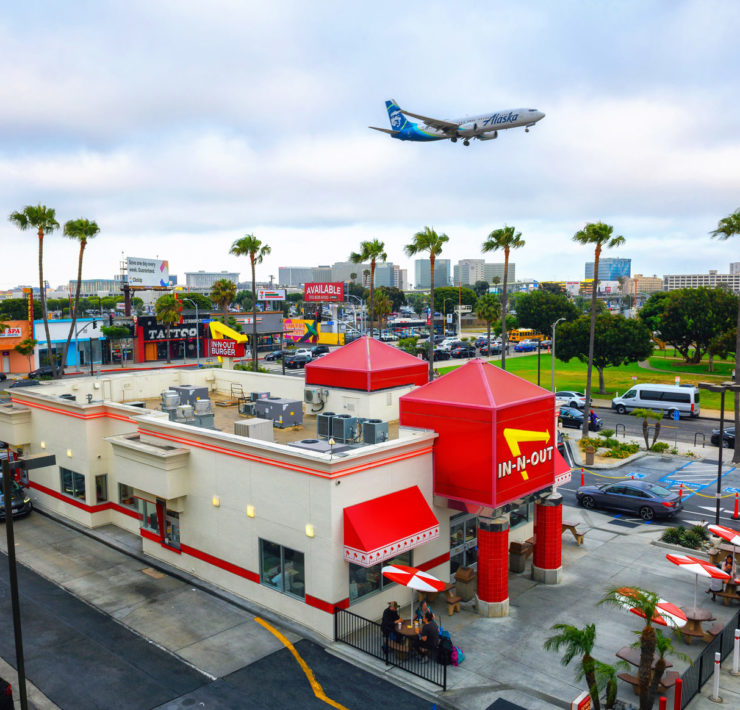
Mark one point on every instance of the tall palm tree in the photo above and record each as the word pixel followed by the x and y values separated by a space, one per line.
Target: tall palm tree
pixel 577 642
pixel 82 230
pixel 223 294
pixel 506 238
pixel 599 234
pixel 429 241
pixel 383 306
pixel 664 646
pixel 488 308
pixel 726 228
pixel 252 247
pixel 43 220
pixel 372 252
pixel 168 311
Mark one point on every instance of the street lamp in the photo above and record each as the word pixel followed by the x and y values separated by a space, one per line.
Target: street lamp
pixel 552 375
pixel 197 329
pixel 362 315
pixel 722 389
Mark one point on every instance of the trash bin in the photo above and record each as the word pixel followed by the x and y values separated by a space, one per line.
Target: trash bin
pixel 6 695
pixel 465 583
pixel 518 553
pixel 590 451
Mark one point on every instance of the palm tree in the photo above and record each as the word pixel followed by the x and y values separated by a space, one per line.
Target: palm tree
pixel 168 311
pixel 250 246
pixel 644 603
pixel 726 228
pixel 429 241
pixel 383 306
pixel 352 277
pixel 577 642
pixel 664 646
pixel 370 251
pixel 43 220
pixel 506 238
pixel 599 234
pixel 646 415
pixel 488 309
pixel 223 294
pixel 82 230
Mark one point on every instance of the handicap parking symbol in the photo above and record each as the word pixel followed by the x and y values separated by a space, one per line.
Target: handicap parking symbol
pixel 731 490
pixel 637 476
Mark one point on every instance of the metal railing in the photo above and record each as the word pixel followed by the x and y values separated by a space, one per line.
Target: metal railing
pixel 366 636
pixel 701 670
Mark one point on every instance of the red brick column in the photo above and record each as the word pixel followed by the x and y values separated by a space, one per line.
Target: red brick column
pixel 547 563
pixel 493 566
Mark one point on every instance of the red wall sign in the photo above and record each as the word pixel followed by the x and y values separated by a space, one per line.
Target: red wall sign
pixel 322 292
pixel 225 348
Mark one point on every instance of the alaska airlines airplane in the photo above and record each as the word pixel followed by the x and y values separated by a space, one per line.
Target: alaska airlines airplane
pixel 484 127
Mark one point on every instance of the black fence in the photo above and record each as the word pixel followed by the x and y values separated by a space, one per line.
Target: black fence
pixel 366 636
pixel 703 667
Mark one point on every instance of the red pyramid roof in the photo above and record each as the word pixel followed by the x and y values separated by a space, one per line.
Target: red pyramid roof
pixel 478 384
pixel 367 364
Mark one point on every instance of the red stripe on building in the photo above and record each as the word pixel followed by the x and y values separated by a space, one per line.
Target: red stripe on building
pixel 426 566
pixel 321 605
pixel 222 564
pixel 67 413
pixel 110 505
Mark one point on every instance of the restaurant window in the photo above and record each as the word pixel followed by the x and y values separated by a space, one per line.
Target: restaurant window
pixel 126 496
pixel 463 542
pixel 521 515
pixel 172 529
pixel 365 581
pixel 282 569
pixel 101 488
pixel 73 484
pixel 149 516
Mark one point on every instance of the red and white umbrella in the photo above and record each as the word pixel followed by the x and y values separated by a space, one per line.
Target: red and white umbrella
pixel 728 535
pixel 666 613
pixel 698 568
pixel 413 578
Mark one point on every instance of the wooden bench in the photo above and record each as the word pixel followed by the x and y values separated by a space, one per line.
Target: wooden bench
pixel 712 631
pixel 577 534
pixel 453 602
pixel 401 649
pixel 717 554
pixel 667 681
pixel 726 596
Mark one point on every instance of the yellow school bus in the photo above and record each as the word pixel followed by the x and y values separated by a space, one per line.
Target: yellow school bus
pixel 519 334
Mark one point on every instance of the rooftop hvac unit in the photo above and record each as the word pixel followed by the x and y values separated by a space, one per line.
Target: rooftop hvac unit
pixel 374 431
pixel 247 408
pixel 254 429
pixel 189 393
pixel 184 413
pixel 344 428
pixel 282 412
pixel 313 396
pixel 170 399
pixel 259 395
pixel 323 424
pixel 320 446
pixel 203 406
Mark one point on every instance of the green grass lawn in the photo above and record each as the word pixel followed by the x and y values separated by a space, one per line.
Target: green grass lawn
pixel 572 376
pixel 722 368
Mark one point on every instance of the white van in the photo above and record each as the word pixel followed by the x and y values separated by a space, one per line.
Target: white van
pixel 683 399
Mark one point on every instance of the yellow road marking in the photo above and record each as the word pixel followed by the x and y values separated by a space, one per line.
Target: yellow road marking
pixel 318 691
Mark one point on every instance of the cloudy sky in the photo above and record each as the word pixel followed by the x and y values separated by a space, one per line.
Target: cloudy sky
pixel 179 126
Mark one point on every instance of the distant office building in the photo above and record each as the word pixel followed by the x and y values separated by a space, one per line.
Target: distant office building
pixel 403 279
pixel 492 271
pixel 610 269
pixel 423 276
pixel 643 284
pixel 467 271
pixel 735 268
pixel 321 273
pixel 95 287
pixel 343 270
pixel 204 280
pixel 294 275
pixel 710 280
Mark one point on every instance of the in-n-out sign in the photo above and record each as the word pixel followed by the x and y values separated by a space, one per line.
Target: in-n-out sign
pixel 225 348
pixel 515 437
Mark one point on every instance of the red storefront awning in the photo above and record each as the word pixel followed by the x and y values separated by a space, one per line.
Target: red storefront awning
pixel 562 469
pixel 383 528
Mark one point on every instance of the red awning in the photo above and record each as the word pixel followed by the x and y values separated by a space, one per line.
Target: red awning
pixel 383 528
pixel 562 469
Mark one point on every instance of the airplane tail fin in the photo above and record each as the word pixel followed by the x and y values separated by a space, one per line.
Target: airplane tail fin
pixel 396 117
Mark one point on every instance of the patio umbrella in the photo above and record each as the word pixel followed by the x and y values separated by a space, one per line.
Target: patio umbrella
pixel 666 613
pixel 698 568
pixel 413 579
pixel 728 535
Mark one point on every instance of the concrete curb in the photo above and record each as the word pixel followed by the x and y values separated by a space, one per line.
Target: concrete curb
pixel 681 549
pixel 578 459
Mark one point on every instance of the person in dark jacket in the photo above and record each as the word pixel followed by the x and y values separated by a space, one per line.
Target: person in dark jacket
pixel 428 639
pixel 388 623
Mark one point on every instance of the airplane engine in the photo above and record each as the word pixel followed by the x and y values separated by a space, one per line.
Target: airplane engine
pixel 488 136
pixel 467 129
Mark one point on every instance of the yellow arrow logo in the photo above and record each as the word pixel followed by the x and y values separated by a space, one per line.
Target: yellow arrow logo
pixel 514 437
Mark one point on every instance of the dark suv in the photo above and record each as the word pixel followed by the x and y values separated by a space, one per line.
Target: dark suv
pixel 43 371
pixel 317 350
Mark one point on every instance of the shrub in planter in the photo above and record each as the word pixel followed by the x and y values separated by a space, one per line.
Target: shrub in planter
pixel 692 539
pixel 701 531
pixel 659 447
pixel 673 536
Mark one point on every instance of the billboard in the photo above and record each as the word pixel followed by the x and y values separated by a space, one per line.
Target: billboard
pixel 321 292
pixel 270 294
pixel 147 272
pixel 225 348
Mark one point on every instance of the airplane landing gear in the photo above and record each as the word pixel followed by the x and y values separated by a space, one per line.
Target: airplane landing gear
pixel 466 142
pixel 453 140
pixel 526 130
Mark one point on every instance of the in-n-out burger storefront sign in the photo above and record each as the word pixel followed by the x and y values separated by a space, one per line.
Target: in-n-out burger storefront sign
pixel 225 348
pixel 322 292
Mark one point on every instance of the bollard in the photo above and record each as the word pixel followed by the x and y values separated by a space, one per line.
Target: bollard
pixel 662 703
pixel 583 478
pixel 736 654
pixel 736 514
pixel 680 493
pixel 678 694
pixel 715 685
pixel 633 476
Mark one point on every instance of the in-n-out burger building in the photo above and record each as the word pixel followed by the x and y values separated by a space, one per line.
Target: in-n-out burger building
pixel 303 527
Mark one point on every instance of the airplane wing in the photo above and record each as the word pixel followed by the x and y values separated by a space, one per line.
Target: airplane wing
pixel 385 130
pixel 447 126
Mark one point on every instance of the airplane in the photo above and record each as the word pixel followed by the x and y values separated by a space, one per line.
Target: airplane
pixel 484 127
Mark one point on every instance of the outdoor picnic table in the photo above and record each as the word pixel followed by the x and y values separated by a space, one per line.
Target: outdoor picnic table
pixel 429 597
pixel 632 656
pixel 404 630
pixel 694 619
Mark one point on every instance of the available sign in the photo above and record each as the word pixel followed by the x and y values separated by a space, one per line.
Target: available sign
pixel 270 294
pixel 147 272
pixel 225 348
pixel 322 292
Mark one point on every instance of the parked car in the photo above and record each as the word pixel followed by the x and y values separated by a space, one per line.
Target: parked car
pixel 574 418
pixel 462 351
pixel 493 349
pixel 23 383
pixel 572 399
pixel 297 360
pixel 43 371
pixel 3 377
pixel 20 502
pixel 526 346
pixel 728 440
pixel 683 399
pixel 304 351
pixel 450 343
pixel 646 499
pixel 317 350
pixel 276 355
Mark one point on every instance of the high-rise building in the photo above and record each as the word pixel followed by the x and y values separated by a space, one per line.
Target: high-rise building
pixel 610 268
pixel 204 280
pixel 642 284
pixel 467 271
pixel 492 271
pixel 343 270
pixel 423 275
pixel 734 268
pixel 321 273
pixel 710 280
pixel 294 275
